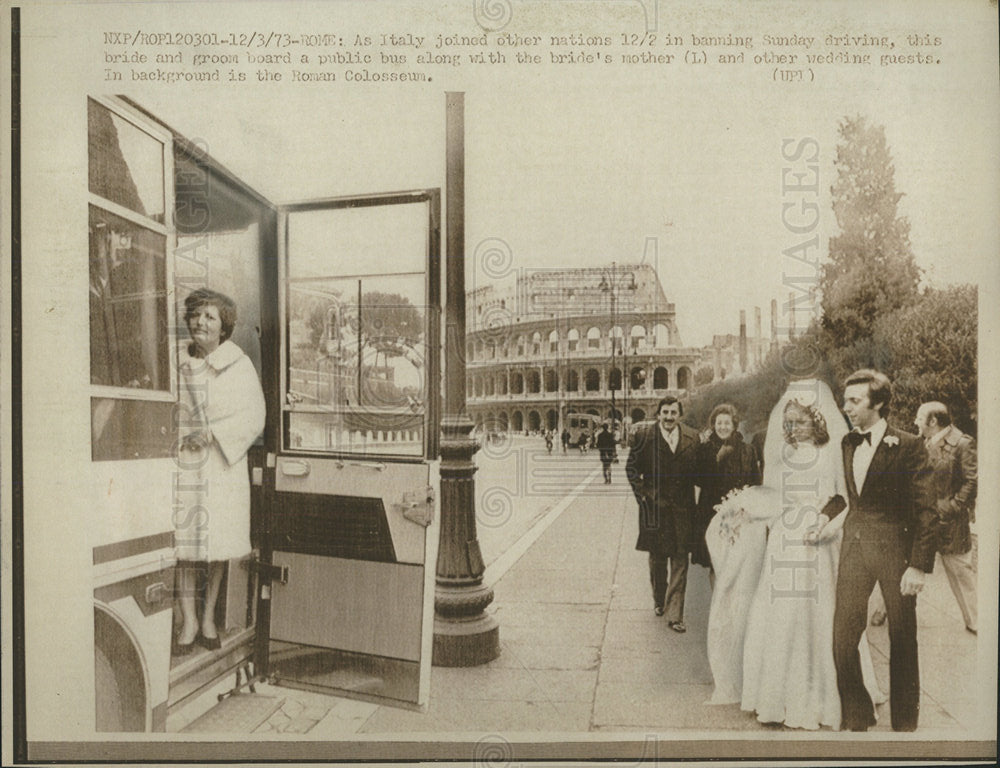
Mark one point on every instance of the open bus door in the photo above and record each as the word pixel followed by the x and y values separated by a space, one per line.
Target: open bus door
pixel 350 478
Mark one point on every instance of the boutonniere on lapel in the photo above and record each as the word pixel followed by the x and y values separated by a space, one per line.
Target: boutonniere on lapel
pixel 890 440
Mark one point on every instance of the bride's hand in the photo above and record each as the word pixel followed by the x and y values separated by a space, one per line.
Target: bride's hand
pixel 815 534
pixel 197 441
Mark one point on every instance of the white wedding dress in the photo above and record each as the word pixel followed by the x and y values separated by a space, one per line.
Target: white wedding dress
pixel 770 629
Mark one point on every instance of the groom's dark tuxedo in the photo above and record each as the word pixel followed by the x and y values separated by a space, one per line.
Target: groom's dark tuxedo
pixel 889 527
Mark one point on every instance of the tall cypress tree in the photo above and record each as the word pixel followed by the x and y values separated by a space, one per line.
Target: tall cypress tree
pixel 871 270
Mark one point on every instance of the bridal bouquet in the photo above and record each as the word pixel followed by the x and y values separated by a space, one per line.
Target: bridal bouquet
pixel 740 505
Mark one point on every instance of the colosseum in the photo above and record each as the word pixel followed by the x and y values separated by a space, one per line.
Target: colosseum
pixel 598 340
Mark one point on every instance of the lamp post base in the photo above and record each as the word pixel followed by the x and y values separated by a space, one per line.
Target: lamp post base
pixel 464 635
pixel 465 642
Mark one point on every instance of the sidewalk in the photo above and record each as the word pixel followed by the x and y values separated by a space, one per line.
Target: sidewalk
pixel 582 651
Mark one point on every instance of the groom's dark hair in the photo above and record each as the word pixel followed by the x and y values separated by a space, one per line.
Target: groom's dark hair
pixel 879 388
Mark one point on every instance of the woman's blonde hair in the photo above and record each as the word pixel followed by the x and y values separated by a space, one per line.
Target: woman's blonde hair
pixel 821 435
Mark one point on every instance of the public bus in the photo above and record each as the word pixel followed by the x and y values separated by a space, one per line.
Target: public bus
pixel 575 423
pixel 337 595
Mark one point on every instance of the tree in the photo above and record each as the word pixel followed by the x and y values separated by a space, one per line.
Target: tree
pixel 755 395
pixel 871 271
pixel 704 375
pixel 391 324
pixel 932 354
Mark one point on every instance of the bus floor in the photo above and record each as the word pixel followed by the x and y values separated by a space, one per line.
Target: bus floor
pixel 270 709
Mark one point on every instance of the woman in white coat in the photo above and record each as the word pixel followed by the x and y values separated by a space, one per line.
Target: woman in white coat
pixel 220 415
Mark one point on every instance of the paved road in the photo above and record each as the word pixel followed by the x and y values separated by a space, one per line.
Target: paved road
pixel 517 483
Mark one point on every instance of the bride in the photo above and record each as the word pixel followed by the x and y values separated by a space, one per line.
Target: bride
pixel 770 627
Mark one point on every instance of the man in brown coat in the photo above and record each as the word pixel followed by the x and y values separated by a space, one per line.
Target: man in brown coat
pixel 952 456
pixel 661 468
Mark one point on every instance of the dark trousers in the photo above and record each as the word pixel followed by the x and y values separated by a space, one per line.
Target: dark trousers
pixel 863 562
pixel 668 590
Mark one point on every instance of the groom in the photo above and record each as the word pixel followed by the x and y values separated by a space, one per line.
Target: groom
pixel 889 538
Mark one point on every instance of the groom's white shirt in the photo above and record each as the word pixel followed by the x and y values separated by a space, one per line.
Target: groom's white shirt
pixel 864 452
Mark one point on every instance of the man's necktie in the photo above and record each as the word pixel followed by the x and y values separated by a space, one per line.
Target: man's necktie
pixel 857 438
pixel 671 440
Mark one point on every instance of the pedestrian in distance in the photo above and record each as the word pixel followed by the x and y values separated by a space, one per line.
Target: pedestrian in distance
pixel 565 439
pixel 608 451
pixel 954 480
pixel 661 467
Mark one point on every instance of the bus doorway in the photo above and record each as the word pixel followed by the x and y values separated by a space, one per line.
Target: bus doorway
pixel 350 483
pixel 339 306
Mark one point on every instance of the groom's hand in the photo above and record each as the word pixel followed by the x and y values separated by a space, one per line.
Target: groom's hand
pixel 912 581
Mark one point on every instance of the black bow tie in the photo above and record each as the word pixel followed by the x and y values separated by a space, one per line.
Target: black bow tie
pixel 857 438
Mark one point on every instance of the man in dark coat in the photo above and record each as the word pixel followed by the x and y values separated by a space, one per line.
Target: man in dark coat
pixel 889 538
pixel 661 468
pixel 608 450
pixel 954 480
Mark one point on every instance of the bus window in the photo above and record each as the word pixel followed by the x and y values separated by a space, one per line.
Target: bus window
pixel 355 361
pixel 129 347
pixel 131 358
pixel 128 305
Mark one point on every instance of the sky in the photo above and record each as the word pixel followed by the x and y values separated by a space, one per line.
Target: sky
pixel 580 169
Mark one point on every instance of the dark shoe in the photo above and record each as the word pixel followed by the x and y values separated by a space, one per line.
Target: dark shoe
pixel 858 725
pixel 878 618
pixel 677 626
pixel 211 643
pixel 658 610
pixel 180 649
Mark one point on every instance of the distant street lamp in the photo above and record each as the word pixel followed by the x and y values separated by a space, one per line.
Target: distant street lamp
pixel 612 284
pixel 640 378
pixel 562 371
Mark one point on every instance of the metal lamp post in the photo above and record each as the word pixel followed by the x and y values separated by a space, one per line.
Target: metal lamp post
pixel 464 634
pixel 612 287
pixel 628 382
pixel 640 379
pixel 563 362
